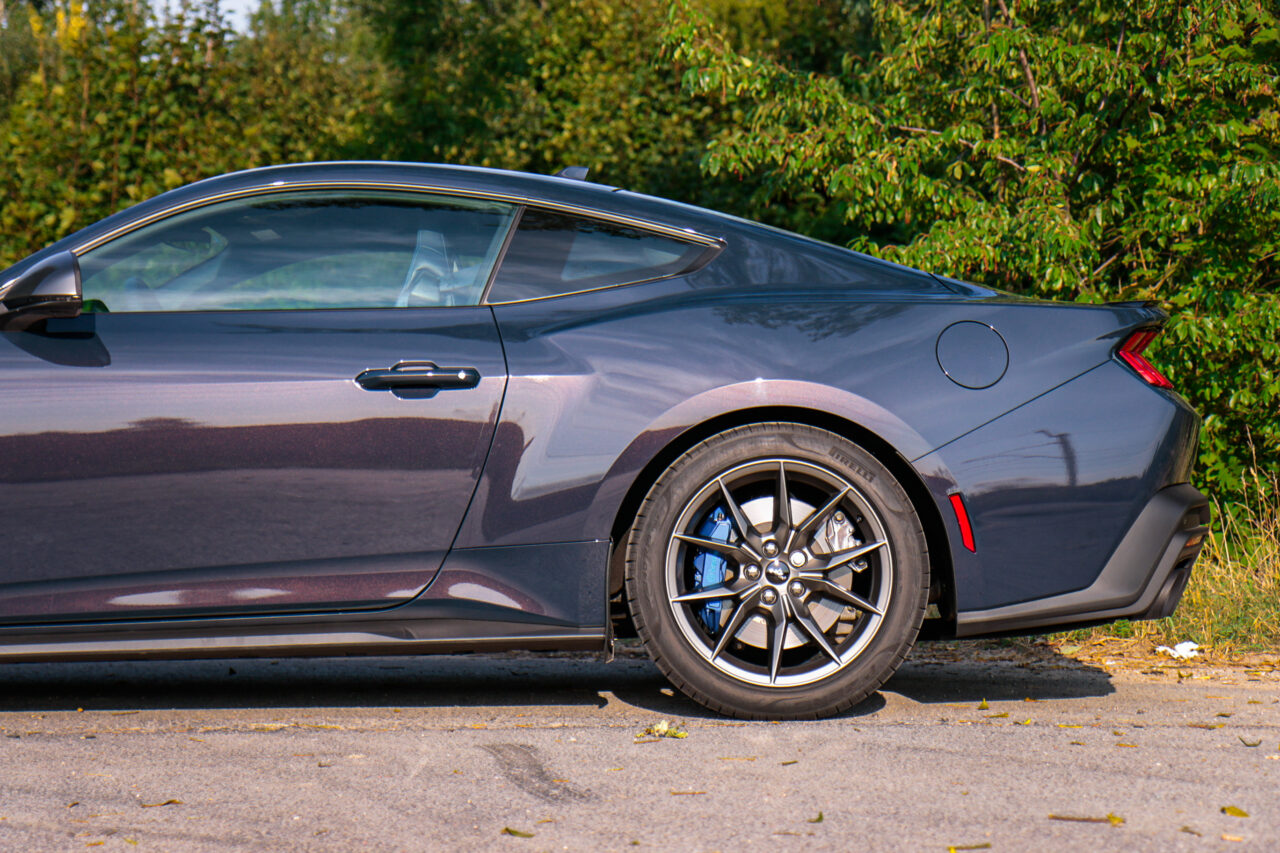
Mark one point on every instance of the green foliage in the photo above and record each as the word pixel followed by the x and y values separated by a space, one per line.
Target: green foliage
pixel 123 105
pixel 17 49
pixel 1104 150
pixel 536 86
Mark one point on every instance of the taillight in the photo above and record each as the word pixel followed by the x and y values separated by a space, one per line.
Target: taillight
pixel 1131 352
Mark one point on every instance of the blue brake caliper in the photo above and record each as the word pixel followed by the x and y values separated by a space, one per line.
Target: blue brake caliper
pixel 709 568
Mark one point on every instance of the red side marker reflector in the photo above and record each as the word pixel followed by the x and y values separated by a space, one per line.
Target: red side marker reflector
pixel 962 518
pixel 1131 352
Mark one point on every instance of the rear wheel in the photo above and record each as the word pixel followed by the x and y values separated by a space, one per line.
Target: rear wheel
pixel 777 571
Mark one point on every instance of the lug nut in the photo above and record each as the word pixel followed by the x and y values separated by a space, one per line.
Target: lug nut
pixel 771 548
pixel 797 588
pixel 798 558
pixel 752 572
pixel 839 517
pixel 769 596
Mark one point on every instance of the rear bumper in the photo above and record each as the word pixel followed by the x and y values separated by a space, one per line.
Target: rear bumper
pixel 1143 579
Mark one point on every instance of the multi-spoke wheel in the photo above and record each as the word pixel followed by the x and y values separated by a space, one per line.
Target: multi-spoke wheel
pixel 777 570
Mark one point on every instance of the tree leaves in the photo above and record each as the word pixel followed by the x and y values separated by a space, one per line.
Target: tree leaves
pixel 139 103
pixel 1125 154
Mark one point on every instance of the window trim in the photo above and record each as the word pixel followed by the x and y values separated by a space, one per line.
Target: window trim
pixel 710 250
pixel 686 234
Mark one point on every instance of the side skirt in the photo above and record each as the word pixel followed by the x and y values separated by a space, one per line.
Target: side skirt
pixel 436 637
pixel 532 597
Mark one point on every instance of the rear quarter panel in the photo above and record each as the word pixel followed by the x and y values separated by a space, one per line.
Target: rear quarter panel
pixel 601 381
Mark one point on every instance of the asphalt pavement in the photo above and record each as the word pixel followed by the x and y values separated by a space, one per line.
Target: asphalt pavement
pixel 524 752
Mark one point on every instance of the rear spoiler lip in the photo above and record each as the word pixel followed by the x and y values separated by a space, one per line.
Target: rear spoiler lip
pixel 1149 306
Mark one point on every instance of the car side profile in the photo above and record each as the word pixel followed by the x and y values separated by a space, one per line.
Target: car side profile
pixel 395 408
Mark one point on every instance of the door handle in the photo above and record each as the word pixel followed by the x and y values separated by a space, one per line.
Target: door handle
pixel 418 376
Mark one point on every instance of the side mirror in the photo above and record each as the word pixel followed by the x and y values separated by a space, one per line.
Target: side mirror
pixel 49 289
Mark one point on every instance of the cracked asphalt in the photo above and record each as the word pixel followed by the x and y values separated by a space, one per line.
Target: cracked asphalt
pixel 528 752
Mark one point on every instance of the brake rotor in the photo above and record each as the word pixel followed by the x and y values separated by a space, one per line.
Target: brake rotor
pixel 835 536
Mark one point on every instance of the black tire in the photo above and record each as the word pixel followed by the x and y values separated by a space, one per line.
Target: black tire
pixel 743 638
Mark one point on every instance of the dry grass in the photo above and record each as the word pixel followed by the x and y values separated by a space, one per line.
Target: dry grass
pixel 1232 603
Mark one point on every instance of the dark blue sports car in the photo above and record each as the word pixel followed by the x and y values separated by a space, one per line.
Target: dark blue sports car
pixel 380 408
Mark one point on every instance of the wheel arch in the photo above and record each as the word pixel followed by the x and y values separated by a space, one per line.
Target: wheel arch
pixel 943 577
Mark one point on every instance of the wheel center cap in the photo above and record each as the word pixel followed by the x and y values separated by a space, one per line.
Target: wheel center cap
pixel 777 571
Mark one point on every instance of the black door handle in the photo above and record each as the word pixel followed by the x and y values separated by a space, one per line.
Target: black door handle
pixel 418 376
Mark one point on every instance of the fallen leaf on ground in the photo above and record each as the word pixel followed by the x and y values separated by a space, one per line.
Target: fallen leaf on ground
pixel 817 819
pixel 518 833
pixel 1113 819
pixel 664 729
pixel 986 845
pixel 1234 811
pixel 165 803
pixel 686 793
pixel 1190 831
pixel 788 763
pixel 1257 742
pixel 1128 745
pixel 983 706
pixel 1001 715
pixel 1226 837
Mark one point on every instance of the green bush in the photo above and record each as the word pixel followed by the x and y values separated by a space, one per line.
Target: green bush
pixel 121 105
pixel 1093 151
pixel 1098 151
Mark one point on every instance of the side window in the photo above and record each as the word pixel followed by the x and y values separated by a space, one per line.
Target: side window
pixel 554 253
pixel 303 251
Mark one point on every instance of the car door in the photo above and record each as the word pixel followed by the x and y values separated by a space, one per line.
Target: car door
pixel 280 402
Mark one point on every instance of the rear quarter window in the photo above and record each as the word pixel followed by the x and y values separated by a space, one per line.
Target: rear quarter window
pixel 553 254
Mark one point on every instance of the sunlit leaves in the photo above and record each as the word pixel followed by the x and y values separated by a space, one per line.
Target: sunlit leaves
pixel 136 104
pixel 1091 151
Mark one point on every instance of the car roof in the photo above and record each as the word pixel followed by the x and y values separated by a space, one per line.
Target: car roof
pixel 501 183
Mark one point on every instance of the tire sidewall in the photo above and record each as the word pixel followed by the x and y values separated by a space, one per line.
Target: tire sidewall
pixel 646 572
